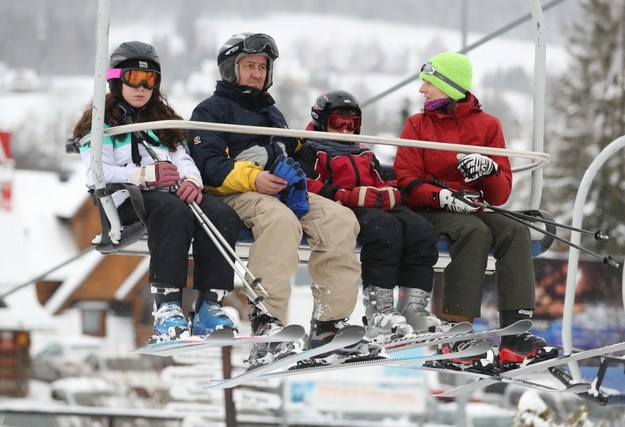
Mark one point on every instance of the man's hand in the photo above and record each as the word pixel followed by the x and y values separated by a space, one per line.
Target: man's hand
pixel 287 168
pixel 267 183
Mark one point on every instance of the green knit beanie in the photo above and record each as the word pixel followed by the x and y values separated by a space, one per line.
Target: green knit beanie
pixel 456 67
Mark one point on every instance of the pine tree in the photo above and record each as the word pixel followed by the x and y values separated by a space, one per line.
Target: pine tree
pixel 590 113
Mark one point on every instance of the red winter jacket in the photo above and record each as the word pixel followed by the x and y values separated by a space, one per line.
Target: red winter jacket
pixel 423 172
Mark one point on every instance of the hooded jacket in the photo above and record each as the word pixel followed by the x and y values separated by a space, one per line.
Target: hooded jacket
pixel 422 173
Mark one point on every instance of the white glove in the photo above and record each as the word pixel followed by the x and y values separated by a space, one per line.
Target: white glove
pixel 459 201
pixel 474 166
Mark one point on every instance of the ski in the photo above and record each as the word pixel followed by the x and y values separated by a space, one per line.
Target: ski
pixel 220 338
pixel 572 388
pixel 358 362
pixel 534 367
pixel 458 332
pixel 344 338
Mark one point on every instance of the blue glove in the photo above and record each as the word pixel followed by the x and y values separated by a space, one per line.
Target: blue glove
pixel 297 196
pixel 286 168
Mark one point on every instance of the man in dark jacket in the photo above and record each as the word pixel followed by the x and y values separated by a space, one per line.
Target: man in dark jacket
pixel 253 175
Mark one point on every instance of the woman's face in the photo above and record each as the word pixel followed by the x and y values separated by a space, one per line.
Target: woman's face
pixel 136 97
pixel 430 91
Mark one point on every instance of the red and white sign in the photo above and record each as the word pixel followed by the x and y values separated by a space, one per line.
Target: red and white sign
pixel 6 170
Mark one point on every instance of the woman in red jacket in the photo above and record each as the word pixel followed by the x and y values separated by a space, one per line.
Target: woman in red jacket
pixel 448 188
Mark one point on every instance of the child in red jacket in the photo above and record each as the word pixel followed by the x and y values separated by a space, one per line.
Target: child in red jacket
pixel 398 246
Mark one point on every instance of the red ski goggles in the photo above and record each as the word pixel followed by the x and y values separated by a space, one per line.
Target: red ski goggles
pixel 340 122
pixel 135 77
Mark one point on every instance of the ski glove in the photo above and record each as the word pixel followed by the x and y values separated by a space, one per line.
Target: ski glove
pixel 460 201
pixel 296 196
pixel 158 174
pixel 190 190
pixel 474 166
pixel 286 168
pixel 391 197
pixel 385 198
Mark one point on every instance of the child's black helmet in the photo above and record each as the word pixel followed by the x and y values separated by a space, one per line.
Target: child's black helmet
pixel 332 100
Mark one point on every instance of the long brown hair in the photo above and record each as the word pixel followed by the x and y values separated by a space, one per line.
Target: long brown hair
pixel 157 108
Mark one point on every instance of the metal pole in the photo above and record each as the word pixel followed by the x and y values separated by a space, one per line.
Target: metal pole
pixel 539 160
pixel 480 42
pixel 571 277
pixel 97 117
pixel 540 59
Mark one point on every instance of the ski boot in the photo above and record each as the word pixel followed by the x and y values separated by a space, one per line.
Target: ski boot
pixel 208 317
pixel 381 320
pixel 170 322
pixel 263 353
pixel 524 349
pixel 322 332
pixel 482 363
pixel 412 304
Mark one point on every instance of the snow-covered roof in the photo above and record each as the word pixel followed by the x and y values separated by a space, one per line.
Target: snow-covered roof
pixel 34 239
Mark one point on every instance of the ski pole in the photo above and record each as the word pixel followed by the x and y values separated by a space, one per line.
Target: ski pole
pixel 607 260
pixel 219 241
pixel 598 235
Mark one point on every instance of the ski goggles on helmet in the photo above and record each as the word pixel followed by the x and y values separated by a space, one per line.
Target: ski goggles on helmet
pixel 252 44
pixel 261 43
pixel 135 77
pixel 428 68
pixel 340 122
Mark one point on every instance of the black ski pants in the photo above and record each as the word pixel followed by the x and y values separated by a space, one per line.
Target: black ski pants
pixel 398 248
pixel 172 226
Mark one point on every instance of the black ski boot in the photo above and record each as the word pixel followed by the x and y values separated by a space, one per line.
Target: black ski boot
pixel 482 363
pixel 322 332
pixel 523 349
pixel 263 353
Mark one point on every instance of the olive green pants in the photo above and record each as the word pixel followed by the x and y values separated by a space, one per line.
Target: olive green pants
pixel 474 236
pixel 331 230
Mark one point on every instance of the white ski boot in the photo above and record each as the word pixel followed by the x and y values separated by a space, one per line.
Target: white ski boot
pixel 413 305
pixel 381 319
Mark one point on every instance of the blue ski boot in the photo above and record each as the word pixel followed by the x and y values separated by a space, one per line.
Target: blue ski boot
pixel 170 322
pixel 210 316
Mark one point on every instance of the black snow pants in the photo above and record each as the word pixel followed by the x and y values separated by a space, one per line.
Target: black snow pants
pixel 172 226
pixel 398 248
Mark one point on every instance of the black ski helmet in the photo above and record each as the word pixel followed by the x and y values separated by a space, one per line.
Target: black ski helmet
pixel 243 44
pixel 133 54
pixel 332 100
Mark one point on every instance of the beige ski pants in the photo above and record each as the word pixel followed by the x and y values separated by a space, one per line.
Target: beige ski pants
pixel 331 230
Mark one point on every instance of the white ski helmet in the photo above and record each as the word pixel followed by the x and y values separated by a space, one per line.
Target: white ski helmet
pixel 243 44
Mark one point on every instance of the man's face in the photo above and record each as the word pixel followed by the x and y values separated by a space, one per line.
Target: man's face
pixel 253 71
